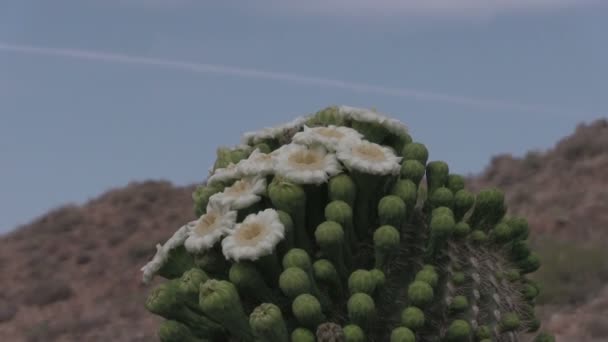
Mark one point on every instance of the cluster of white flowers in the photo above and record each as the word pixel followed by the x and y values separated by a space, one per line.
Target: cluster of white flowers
pixel 314 155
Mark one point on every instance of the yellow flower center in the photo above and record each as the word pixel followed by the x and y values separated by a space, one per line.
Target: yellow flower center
pixel 237 188
pixel 207 223
pixel 369 152
pixel 306 159
pixel 330 132
pixel 249 234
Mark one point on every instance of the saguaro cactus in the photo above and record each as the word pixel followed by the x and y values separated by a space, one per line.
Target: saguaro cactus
pixel 318 230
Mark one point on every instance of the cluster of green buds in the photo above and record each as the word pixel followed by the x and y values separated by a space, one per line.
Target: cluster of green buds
pixel 317 230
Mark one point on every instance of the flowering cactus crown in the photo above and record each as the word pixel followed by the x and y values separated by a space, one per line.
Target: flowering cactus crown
pixel 323 229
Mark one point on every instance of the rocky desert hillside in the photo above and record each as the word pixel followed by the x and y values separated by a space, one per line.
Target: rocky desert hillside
pixel 73 274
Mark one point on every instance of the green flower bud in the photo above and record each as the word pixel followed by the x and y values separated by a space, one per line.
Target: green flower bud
pixel 294 281
pixel 519 226
pixel 458 331
pixel 442 225
pixel 429 267
pixel 341 212
pixel 402 334
pixel 342 188
pixel 483 332
pixel 544 337
pixel 291 198
pixel 307 311
pixel 302 335
pixel 330 238
pixel 190 282
pixel 412 170
pixel 407 191
pixel 361 281
pixel 455 183
pixel 478 237
pixel 512 275
pixel 502 233
pixel 173 331
pixel 489 207
pixel 392 211
pixel 530 292
pixel 201 197
pixel 262 147
pixel 211 261
pixel 178 262
pixel 289 241
pixel 442 197
pixel 372 131
pixel 398 141
pixel 267 323
pixel 520 250
pixel 529 264
pixel 413 318
pixel 420 293
pixel 436 175
pixel 509 322
pixel 428 276
pixel 386 243
pixel 238 154
pixel 353 333
pixel 459 304
pixel 463 202
pixel 297 257
pixel 461 230
pixel 458 278
pixel 379 278
pixel 442 211
pixel 326 273
pixel 163 299
pixel 249 281
pixel 219 299
pixel 416 151
pixel 361 309
pixel 327 116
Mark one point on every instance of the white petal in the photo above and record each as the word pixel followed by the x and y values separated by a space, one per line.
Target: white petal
pixel 205 232
pixel 366 115
pixel 242 194
pixel 330 137
pixel 162 253
pixel 368 157
pixel 258 163
pixel 257 236
pixel 303 165
pixel 228 173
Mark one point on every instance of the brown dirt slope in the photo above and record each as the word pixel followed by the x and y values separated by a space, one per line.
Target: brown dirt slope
pixel 73 274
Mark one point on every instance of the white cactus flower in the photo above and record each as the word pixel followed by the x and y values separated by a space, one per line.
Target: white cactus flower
pixel 242 194
pixel 205 232
pixel 162 253
pixel 258 163
pixel 273 132
pixel 257 236
pixel 365 115
pixel 228 173
pixel 329 137
pixel 368 157
pixel 306 165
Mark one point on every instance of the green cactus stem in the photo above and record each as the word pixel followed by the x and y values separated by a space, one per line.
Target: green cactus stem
pixel 219 299
pixel 267 324
pixel 249 282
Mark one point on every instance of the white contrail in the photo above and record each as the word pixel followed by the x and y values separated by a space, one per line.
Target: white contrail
pixel 271 75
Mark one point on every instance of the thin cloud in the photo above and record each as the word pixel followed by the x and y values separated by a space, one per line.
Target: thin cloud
pixel 205 68
pixel 421 7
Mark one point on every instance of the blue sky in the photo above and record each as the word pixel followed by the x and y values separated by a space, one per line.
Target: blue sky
pixel 94 94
